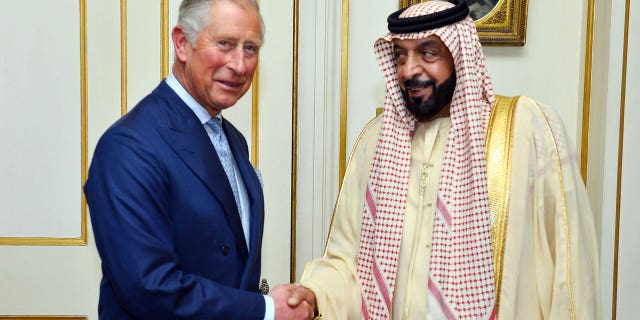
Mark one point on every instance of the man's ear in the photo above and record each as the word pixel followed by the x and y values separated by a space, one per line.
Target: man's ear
pixel 180 43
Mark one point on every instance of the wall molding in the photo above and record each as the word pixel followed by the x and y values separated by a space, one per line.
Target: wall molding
pixel 82 240
pixel 623 95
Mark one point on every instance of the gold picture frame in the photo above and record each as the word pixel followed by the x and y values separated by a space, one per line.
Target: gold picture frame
pixel 499 22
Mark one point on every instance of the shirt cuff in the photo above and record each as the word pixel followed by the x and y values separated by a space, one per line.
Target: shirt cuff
pixel 269 308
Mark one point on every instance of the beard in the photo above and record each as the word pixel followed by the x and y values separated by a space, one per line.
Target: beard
pixel 440 97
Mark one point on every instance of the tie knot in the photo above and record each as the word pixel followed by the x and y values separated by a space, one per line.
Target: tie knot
pixel 216 124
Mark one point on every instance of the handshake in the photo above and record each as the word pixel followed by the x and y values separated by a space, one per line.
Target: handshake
pixel 293 301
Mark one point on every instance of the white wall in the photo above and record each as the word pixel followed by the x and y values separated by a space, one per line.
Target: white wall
pixel 40 89
pixel 41 94
pixel 627 174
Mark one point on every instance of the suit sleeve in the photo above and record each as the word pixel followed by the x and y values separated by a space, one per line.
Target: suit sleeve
pixel 127 192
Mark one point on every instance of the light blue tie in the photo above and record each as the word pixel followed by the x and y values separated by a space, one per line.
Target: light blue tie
pixel 224 153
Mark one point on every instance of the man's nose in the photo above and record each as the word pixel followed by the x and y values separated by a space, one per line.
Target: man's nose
pixel 237 62
pixel 412 67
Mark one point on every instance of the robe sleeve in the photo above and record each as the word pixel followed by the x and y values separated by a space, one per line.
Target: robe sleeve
pixel 568 265
pixel 333 278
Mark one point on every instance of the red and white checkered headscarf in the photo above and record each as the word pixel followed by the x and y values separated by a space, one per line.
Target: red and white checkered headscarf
pixel 461 277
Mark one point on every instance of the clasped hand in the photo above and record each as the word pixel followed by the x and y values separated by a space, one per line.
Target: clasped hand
pixel 293 301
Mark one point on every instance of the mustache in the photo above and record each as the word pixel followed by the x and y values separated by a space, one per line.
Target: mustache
pixel 418 83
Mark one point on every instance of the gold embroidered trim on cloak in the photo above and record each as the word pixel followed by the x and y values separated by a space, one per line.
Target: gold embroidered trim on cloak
pixel 498 148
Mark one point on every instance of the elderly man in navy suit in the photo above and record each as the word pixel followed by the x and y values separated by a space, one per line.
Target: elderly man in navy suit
pixel 177 209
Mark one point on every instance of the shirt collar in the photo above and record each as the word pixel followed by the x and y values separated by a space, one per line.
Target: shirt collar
pixel 202 113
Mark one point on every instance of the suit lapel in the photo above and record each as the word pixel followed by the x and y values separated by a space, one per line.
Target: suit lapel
pixel 188 138
pixel 255 194
pixel 249 177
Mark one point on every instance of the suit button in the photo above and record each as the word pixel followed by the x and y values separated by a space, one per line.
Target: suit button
pixel 225 250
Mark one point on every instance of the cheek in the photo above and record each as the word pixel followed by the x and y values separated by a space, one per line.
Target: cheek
pixel 212 61
pixel 441 73
pixel 251 64
pixel 400 76
pixel 449 68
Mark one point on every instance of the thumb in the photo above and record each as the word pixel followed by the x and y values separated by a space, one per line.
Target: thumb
pixel 297 295
pixel 293 300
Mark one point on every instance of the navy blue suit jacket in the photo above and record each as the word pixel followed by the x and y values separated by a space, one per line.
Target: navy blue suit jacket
pixel 165 221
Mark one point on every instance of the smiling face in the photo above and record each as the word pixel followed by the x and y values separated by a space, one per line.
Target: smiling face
pixel 218 67
pixel 426 76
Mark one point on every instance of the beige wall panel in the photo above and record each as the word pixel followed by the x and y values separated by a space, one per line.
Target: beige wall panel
pixel 241 117
pixel 319 87
pixel 103 71
pixel 366 87
pixel 53 280
pixel 40 90
pixel 628 281
pixel 49 281
pixel 610 163
pixel 174 5
pixel 275 132
pixel 143 48
pixel 602 44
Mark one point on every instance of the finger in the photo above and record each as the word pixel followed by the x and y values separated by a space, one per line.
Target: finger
pixel 288 286
pixel 306 294
pixel 297 295
pixel 282 287
pixel 310 311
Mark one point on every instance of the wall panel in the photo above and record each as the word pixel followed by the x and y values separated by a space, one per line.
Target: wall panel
pixel 143 48
pixel 628 282
pixel 42 94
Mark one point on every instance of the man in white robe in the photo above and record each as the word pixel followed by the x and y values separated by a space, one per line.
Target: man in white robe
pixel 456 204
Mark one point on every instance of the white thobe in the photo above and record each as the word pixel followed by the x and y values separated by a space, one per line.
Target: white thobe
pixel 551 261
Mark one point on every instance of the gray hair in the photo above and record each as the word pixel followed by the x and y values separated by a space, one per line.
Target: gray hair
pixel 193 16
